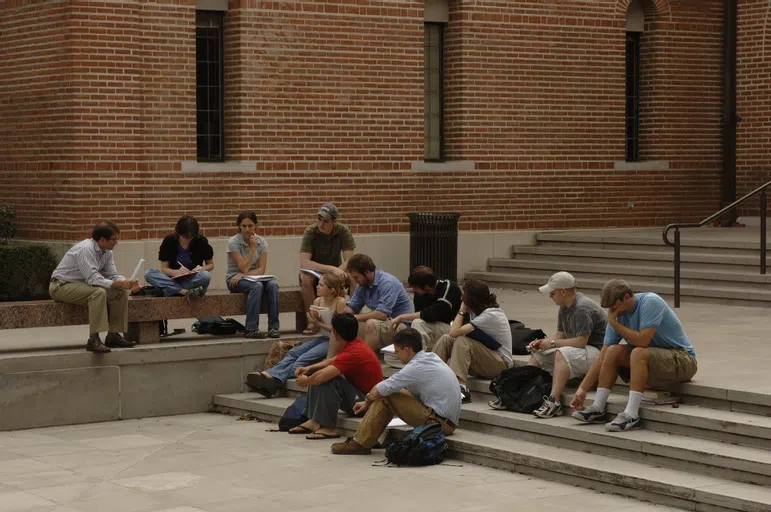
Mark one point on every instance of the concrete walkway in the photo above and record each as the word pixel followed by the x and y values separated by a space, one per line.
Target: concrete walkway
pixel 732 342
pixel 209 462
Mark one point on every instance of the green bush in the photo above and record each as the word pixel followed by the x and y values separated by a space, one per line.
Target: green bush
pixel 25 271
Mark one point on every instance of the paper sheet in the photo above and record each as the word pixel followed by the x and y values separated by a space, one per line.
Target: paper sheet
pixel 136 270
pixel 397 422
pixel 266 277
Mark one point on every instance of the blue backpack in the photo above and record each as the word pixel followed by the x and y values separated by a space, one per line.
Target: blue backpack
pixel 424 446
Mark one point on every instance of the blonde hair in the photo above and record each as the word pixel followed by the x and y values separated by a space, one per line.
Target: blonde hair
pixel 333 283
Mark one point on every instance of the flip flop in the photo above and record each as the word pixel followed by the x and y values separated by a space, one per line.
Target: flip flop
pixel 300 430
pixel 320 435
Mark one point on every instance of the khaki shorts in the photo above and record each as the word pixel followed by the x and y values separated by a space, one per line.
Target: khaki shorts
pixel 383 328
pixel 666 366
pixel 579 360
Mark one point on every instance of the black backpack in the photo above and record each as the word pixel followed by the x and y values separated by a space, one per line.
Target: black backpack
pixel 521 337
pixel 293 416
pixel 217 325
pixel 521 389
pixel 424 446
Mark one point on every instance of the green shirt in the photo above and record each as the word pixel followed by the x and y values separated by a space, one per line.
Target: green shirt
pixel 326 249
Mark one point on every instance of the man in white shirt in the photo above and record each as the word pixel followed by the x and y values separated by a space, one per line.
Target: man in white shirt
pixel 432 396
pixel 87 276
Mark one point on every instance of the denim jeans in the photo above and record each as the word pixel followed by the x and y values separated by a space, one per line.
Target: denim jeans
pixel 171 286
pixel 302 355
pixel 255 291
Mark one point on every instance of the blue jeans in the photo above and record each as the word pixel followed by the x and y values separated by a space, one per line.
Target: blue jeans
pixel 255 291
pixel 171 286
pixel 302 355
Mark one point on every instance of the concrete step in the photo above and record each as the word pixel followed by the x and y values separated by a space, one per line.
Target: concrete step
pixel 689 258
pixel 643 269
pixel 639 477
pixel 658 247
pixel 689 238
pixel 678 451
pixel 723 294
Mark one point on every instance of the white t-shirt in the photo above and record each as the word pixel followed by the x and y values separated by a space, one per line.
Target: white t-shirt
pixel 493 322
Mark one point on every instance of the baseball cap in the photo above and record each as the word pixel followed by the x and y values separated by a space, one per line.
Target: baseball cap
pixel 328 211
pixel 558 281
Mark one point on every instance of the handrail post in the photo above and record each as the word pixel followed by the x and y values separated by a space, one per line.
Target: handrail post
pixel 763 232
pixel 677 267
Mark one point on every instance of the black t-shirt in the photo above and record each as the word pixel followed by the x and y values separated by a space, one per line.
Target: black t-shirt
pixel 199 249
pixel 441 307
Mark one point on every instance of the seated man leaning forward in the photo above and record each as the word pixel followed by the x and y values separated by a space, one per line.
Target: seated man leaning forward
pixel 325 247
pixel 437 301
pixel 657 353
pixel 570 353
pixel 339 382
pixel 87 276
pixel 483 345
pixel 431 396
pixel 383 294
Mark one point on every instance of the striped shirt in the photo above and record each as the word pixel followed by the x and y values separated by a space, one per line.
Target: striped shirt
pixel 86 262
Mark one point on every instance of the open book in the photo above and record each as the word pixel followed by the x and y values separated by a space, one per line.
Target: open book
pixel 266 277
pixel 186 274
pixel 311 272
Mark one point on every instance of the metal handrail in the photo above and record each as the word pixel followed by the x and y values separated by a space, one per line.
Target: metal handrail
pixel 678 226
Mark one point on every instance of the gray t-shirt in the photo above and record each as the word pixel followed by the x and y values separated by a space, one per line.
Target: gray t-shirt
pixel 584 317
pixel 237 244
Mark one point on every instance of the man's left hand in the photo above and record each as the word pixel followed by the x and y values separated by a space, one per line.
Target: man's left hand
pixel 302 381
pixel 360 408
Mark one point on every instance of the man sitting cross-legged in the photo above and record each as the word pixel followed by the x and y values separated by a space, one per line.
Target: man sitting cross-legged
pixel 570 353
pixel 657 353
pixel 437 301
pixel 339 382
pixel 432 396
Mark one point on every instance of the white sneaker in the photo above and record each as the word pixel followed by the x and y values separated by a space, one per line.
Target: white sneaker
pixel 549 409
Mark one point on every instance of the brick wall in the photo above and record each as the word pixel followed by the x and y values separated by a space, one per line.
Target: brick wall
pixel 325 100
pixel 753 99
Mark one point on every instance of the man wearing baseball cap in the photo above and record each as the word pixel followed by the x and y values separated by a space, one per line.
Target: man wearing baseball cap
pixel 325 247
pixel 658 353
pixel 570 353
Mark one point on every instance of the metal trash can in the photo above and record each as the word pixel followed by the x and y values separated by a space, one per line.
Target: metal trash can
pixel 434 242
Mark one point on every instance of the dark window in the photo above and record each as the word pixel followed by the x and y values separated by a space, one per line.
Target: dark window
pixel 433 108
pixel 209 61
pixel 632 96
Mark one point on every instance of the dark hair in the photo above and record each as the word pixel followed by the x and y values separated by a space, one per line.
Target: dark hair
pixel 187 226
pixel 104 229
pixel 247 214
pixel 477 296
pixel 346 326
pixel 409 337
pixel 361 263
pixel 422 277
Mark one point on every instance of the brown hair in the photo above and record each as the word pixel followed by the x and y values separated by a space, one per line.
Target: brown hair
pixel 477 296
pixel 360 263
pixel 333 283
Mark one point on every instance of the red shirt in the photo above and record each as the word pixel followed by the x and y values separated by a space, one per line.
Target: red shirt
pixel 359 365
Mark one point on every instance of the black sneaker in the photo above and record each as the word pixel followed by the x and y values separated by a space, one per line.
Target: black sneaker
pixel 465 394
pixel 194 293
pixel 274 333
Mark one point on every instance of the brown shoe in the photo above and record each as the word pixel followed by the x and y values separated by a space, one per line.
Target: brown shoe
pixel 97 346
pixel 115 340
pixel 350 447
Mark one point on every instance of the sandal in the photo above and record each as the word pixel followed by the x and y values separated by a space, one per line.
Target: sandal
pixel 317 436
pixel 300 430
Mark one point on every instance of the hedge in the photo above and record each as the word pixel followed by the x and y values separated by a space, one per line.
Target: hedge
pixel 25 271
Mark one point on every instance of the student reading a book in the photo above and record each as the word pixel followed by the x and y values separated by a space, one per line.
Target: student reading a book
pixel 247 260
pixel 330 301
pixel 186 261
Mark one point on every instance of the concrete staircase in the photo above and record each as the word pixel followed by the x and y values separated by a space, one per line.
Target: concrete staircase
pixel 714 268
pixel 692 457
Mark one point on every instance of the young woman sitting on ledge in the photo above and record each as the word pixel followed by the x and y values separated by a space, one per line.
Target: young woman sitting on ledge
pixel 330 301
pixel 186 262
pixel 247 263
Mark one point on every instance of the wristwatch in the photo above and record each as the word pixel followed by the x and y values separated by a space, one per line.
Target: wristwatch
pixel 553 344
